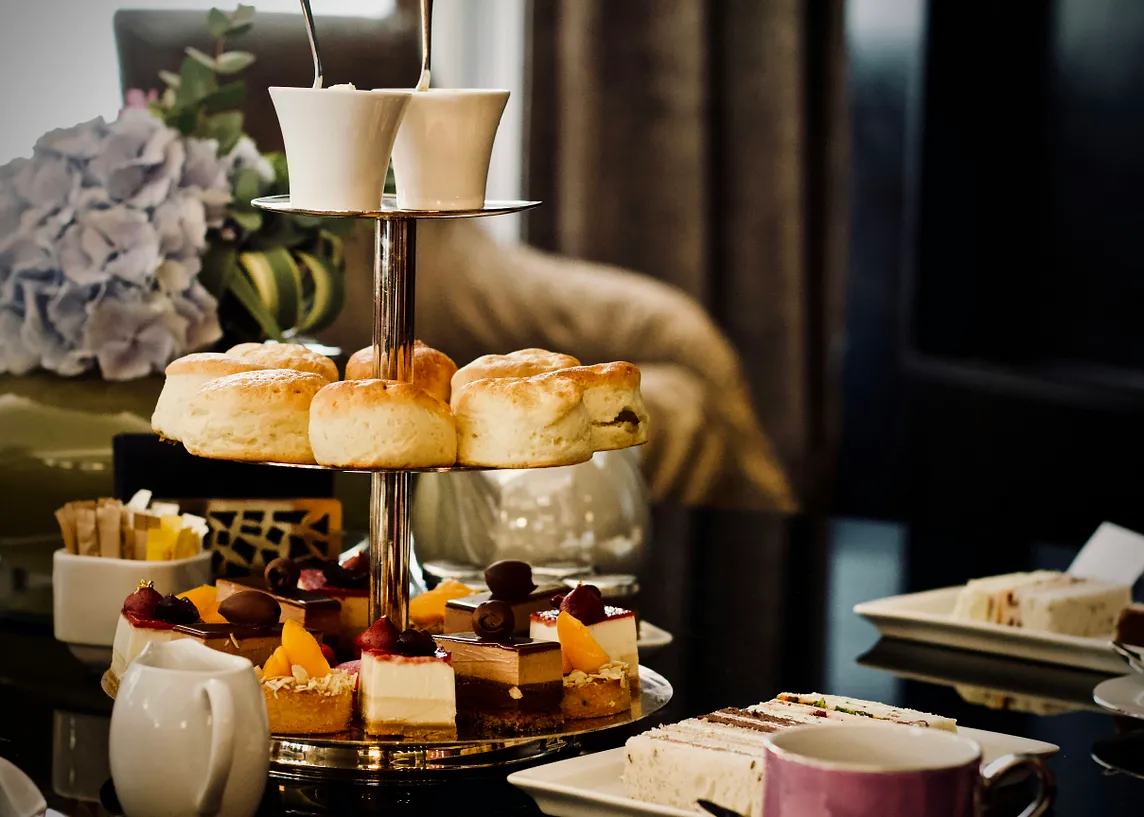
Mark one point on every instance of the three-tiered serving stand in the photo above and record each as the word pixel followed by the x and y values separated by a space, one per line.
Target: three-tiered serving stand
pixel 376 757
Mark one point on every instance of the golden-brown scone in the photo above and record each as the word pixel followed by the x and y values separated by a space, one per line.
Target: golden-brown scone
pixel 614 402
pixel 184 377
pixel 522 363
pixel 381 424
pixel 259 416
pixel 522 422
pixel 293 356
pixel 432 369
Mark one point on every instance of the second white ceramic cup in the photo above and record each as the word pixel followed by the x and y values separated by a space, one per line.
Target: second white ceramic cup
pixel 443 148
pixel 338 142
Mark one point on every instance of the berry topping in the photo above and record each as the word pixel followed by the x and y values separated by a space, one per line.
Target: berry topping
pixel 252 608
pixel 344 576
pixel 493 620
pixel 282 575
pixel 585 604
pixel 142 602
pixel 415 642
pixel 205 599
pixel 380 637
pixel 509 580
pixel 580 650
pixel 174 610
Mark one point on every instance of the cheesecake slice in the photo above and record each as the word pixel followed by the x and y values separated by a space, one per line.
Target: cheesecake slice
pixel 615 633
pixel 146 617
pixel 405 684
pixel 354 602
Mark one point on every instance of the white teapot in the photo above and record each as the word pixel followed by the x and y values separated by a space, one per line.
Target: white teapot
pixel 189 734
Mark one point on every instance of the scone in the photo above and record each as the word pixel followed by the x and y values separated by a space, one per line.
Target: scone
pixel 524 422
pixel 255 416
pixel 381 424
pixel 614 402
pixel 432 370
pixel 522 363
pixel 184 377
pixel 293 356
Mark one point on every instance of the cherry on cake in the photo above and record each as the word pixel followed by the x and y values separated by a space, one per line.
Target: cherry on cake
pixel 613 628
pixel 146 617
pixel 405 684
pixel 304 696
pixel 506 684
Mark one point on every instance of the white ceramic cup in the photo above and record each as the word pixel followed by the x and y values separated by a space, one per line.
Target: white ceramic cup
pixel 189 734
pixel 443 148
pixel 338 142
pixel 88 591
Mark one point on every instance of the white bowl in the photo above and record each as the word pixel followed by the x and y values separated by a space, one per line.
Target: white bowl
pixel 441 156
pixel 88 591
pixel 338 143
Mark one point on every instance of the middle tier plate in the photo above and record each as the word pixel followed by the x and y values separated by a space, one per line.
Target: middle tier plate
pixel 363 756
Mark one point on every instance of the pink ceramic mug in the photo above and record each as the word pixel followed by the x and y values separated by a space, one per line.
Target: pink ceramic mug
pixel 877 770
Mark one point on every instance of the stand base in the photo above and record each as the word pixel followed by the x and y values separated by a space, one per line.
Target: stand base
pixel 357 756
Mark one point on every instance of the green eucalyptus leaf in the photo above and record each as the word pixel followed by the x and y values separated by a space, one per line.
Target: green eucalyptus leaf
pixel 238 31
pixel 328 292
pixel 218 23
pixel 220 262
pixel 278 279
pixel 249 220
pixel 170 78
pixel 226 128
pixel 227 97
pixel 277 161
pixel 196 82
pixel 340 227
pixel 247 186
pixel 243 15
pixel 205 60
pixel 184 120
pixel 244 291
pixel 231 62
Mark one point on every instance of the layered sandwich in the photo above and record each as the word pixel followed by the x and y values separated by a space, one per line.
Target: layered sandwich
pixel 1044 600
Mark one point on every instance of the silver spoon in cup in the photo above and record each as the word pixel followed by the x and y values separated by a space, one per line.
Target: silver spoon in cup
pixel 312 34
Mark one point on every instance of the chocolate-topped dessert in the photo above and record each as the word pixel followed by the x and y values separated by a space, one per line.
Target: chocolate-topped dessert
pixel 252 627
pixel 314 611
pixel 348 583
pixel 509 581
pixel 505 683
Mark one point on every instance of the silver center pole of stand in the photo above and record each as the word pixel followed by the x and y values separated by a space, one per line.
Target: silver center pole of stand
pixel 394 277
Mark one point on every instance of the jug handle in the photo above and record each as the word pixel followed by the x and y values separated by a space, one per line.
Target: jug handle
pixel 221 758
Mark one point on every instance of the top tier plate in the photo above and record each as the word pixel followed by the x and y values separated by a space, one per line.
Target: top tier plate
pixel 389 209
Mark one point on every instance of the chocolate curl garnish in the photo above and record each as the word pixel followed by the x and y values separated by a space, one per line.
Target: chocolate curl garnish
pixel 509 580
pixel 282 576
pixel 494 620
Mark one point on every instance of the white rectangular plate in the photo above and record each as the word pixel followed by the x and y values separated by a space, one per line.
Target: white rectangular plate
pixel 926 617
pixel 590 785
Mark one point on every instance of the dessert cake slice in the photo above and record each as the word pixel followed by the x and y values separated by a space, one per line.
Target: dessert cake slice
pixel 249 627
pixel 146 617
pixel 405 684
pixel 613 628
pixel 594 686
pixel 720 756
pixel 348 584
pixel 304 696
pixel 509 581
pixel 866 709
pixel 505 683
pixel 1044 600
pixel 314 611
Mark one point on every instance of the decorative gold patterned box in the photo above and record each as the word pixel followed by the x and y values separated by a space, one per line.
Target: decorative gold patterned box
pixel 246 534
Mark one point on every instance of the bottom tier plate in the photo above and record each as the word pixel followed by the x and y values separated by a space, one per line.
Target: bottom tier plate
pixel 354 754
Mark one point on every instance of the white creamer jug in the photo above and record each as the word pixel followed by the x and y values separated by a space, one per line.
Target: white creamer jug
pixel 189 734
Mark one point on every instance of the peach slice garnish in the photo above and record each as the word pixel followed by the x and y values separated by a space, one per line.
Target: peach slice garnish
pixel 303 649
pixel 579 649
pixel 205 599
pixel 429 607
pixel 277 665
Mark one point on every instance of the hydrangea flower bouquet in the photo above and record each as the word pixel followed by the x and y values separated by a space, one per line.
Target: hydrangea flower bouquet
pixel 119 241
